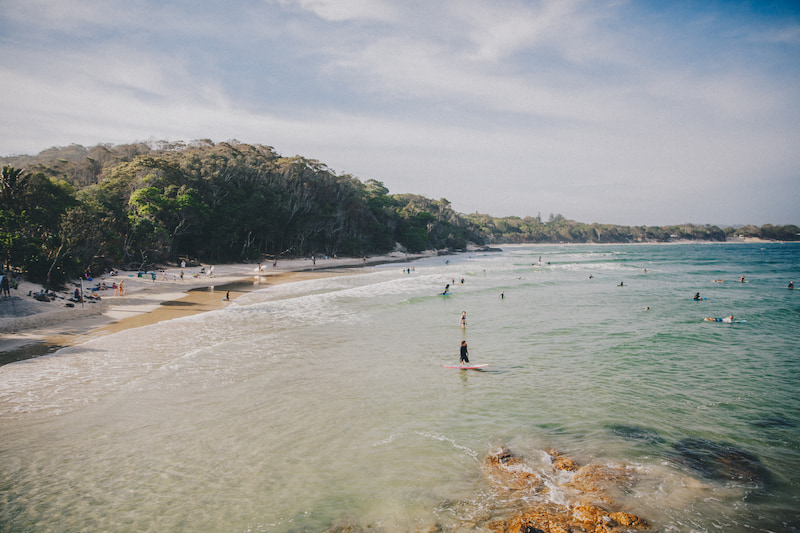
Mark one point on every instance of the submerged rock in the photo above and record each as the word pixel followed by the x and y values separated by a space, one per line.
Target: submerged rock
pixel 636 433
pixel 774 421
pixel 720 461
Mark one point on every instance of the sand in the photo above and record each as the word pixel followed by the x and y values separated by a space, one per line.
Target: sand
pixel 30 328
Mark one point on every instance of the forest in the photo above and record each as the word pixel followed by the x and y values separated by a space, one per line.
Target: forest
pixel 73 210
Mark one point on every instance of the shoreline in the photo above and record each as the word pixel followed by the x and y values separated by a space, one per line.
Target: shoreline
pixel 30 328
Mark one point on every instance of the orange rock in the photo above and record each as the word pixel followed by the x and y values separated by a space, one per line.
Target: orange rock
pixel 561 462
pixel 511 473
pixel 629 520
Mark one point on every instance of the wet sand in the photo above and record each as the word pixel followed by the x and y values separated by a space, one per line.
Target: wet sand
pixel 195 300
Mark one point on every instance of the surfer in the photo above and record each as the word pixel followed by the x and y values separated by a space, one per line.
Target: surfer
pixel 741 279
pixel 463 320
pixel 464 353
pixel 446 288
pixel 727 319
pixel 697 296
pixel 791 285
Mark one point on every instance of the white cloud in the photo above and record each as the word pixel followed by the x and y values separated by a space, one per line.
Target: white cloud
pixel 342 10
pixel 556 104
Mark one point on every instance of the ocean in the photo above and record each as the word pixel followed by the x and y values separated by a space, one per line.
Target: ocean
pixel 323 405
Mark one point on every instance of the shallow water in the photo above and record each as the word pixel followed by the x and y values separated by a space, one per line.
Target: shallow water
pixel 323 403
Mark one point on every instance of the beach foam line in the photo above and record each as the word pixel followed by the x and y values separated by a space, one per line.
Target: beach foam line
pixel 149 302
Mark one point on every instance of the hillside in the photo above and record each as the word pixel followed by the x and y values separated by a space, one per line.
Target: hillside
pixel 71 209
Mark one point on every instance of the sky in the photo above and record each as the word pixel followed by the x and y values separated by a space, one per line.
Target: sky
pixel 609 111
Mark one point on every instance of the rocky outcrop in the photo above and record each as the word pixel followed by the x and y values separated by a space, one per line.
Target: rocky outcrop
pixel 590 507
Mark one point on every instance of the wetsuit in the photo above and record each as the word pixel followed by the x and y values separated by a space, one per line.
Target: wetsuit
pixel 464 354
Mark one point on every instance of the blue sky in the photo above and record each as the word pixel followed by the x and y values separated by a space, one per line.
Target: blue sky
pixel 625 112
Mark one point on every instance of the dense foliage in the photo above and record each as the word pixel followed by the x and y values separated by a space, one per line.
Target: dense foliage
pixel 138 205
pixel 74 209
pixel 559 229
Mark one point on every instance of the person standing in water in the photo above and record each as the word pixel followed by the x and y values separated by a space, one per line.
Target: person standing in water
pixel 463 320
pixel 464 353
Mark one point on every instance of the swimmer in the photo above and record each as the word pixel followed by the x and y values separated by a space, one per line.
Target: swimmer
pixel 727 319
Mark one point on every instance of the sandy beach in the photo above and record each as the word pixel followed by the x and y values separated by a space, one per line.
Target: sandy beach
pixel 31 328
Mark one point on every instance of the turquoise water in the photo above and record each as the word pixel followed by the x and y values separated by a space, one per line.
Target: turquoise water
pixel 323 404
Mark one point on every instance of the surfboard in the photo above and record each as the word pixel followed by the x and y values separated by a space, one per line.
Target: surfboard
pixel 467 367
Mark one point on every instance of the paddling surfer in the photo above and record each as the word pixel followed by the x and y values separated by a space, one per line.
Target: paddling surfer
pixel 464 353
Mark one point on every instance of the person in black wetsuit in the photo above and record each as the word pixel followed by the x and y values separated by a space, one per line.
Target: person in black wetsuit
pixel 464 353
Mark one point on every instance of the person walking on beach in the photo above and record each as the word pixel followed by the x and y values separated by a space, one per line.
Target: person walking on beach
pixel 5 285
pixel 464 353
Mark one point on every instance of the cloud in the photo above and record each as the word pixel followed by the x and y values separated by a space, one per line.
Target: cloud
pixel 603 111
pixel 343 10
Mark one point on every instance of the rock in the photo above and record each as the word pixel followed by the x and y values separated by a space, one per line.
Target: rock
pixel 629 520
pixel 510 472
pixel 561 462
pixel 720 461
pixel 593 515
pixel 601 478
pixel 589 484
pixel 636 433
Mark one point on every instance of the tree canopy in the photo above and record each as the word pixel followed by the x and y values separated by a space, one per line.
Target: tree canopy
pixel 74 209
